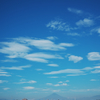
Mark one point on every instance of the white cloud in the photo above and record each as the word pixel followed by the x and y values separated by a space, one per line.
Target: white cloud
pixel 64 84
pixel 2 73
pixel 28 88
pixel 53 77
pixel 6 88
pixel 58 25
pixel 14 49
pixel 67 80
pixel 97 67
pixel 44 44
pixel 56 85
pixel 16 68
pixel 53 65
pixel 93 80
pixel 92 56
pixel 75 59
pixel 76 74
pixel 9 60
pixel 96 30
pixel 75 11
pixel 87 68
pixel 39 69
pixel 22 81
pixel 75 71
pixel 2 81
pixel 55 90
pixel 95 71
pixel 73 34
pixel 60 82
pixel 52 37
pixel 49 84
pixel 41 57
pixel 85 22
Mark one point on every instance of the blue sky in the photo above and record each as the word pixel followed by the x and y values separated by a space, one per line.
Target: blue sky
pixel 49 46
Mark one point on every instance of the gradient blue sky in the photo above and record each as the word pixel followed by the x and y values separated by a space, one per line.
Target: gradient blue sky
pixel 49 46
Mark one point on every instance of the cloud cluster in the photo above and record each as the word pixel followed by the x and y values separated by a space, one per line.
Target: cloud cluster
pixel 21 48
pixel 59 25
pixel 85 22
pixel 75 10
pixel 28 88
pixel 92 56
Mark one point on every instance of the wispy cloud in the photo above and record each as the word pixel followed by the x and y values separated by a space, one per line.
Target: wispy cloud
pixel 14 49
pixel 2 73
pixel 6 88
pixel 2 81
pixel 23 81
pixel 97 30
pixel 52 37
pixel 45 44
pixel 16 68
pixel 73 34
pixel 93 80
pixel 74 58
pixel 59 25
pixel 41 57
pixel 85 22
pixel 77 71
pixel 53 77
pixel 95 71
pixel 75 11
pixel 49 84
pixel 9 60
pixel 92 56
pixel 53 65
pixel 39 69
pixel 28 88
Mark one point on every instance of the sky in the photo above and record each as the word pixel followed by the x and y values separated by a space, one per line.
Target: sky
pixel 49 46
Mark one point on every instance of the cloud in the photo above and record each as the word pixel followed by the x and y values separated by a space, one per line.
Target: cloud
pixel 75 71
pixel 28 88
pixel 55 90
pixel 93 80
pixel 60 82
pixel 39 69
pixel 67 80
pixel 2 81
pixel 6 88
pixel 75 59
pixel 92 56
pixel 73 34
pixel 9 60
pixel 14 49
pixel 23 81
pixel 85 22
pixel 56 85
pixel 2 73
pixel 16 68
pixel 97 67
pixel 44 44
pixel 95 71
pixel 76 74
pixel 97 30
pixel 64 84
pixel 87 68
pixel 52 37
pixel 58 25
pixel 75 11
pixel 49 84
pixel 41 57
pixel 53 65
pixel 53 77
